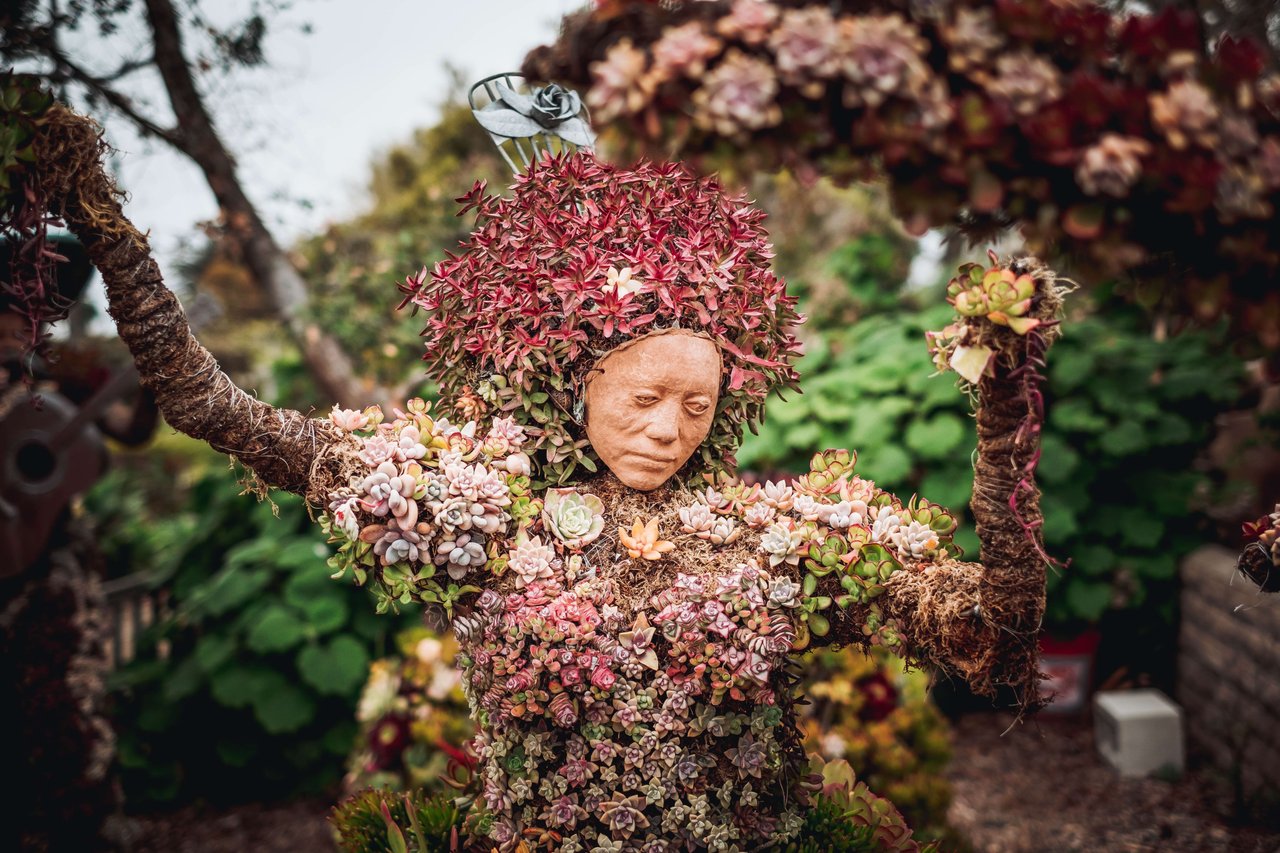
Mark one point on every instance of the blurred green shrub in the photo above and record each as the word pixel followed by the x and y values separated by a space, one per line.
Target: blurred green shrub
pixel 248 688
pixel 867 710
pixel 862 267
pixel 1128 414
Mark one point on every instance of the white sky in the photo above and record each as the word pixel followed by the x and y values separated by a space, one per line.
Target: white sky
pixel 306 126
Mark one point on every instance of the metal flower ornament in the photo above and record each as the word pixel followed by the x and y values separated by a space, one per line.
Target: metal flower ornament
pixel 546 113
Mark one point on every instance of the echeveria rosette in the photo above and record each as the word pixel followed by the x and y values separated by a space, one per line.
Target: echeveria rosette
pixel 532 560
pixel 432 496
pixel 1123 139
pixel 575 518
pixel 997 307
pixel 644 541
pixel 583 257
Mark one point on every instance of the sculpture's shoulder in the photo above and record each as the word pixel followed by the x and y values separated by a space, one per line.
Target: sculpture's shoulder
pixel 424 506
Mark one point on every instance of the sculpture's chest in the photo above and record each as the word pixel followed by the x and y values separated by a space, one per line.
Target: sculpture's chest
pixel 648 708
pixel 586 654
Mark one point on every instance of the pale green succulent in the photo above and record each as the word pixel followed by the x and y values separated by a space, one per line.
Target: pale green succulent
pixel 576 519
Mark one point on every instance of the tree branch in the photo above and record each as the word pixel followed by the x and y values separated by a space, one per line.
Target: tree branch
pixel 128 67
pixel 271 268
pixel 121 103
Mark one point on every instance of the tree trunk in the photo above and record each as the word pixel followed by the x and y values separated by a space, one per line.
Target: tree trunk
pixel 271 268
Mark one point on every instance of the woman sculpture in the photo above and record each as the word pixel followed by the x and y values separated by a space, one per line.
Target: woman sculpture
pixel 626 608
pixel 624 634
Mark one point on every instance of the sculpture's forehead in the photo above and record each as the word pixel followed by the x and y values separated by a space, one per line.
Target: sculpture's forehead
pixel 681 362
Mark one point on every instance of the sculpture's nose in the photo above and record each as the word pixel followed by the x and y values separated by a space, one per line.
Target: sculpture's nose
pixel 663 424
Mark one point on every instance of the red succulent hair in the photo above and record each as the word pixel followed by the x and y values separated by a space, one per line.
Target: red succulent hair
pixel 525 307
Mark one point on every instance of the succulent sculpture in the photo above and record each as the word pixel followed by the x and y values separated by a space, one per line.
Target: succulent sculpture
pixel 629 678
pixel 600 703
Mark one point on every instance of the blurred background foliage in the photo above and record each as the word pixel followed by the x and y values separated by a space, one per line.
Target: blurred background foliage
pixel 412 221
pixel 244 686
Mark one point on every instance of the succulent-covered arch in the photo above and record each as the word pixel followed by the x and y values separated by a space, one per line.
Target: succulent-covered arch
pixel 583 257
pixel 1122 140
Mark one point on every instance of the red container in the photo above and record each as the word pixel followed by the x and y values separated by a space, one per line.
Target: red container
pixel 1068 663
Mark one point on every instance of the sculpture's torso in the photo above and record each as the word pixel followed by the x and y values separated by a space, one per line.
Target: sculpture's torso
pixel 630 689
pixel 652 715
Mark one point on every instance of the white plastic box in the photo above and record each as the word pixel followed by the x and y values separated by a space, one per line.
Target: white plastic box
pixel 1139 732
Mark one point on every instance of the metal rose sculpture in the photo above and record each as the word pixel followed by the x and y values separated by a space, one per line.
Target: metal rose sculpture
pixel 546 113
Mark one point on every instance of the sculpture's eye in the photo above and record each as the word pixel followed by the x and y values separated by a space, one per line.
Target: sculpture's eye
pixel 697 408
pixel 645 400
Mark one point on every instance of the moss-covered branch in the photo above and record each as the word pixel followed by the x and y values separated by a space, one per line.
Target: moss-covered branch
pixel 195 395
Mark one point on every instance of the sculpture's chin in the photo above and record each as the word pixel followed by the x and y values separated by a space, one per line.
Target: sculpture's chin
pixel 642 479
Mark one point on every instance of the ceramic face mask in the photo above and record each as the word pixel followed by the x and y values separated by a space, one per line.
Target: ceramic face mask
pixel 650 404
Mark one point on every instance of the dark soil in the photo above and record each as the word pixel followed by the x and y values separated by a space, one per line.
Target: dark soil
pixel 1040 788
pixel 300 826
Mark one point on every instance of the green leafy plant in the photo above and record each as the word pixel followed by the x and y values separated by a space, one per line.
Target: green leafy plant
pixel 1128 414
pixel 248 686
pixel 380 821
pixel 850 280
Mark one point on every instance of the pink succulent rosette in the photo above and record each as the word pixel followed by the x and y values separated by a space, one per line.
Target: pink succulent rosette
pixel 434 498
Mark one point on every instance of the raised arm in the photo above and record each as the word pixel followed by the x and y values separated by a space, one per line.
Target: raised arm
pixel 284 448
pixel 371 482
pixel 894 578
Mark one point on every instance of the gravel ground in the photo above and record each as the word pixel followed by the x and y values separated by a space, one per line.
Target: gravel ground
pixel 1040 788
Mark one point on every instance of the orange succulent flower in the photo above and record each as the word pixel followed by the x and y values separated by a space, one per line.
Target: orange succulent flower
pixel 643 541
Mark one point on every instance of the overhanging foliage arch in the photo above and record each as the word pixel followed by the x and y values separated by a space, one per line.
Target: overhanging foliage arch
pixel 1121 141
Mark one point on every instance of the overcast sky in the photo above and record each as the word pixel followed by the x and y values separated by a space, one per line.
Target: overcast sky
pixel 305 127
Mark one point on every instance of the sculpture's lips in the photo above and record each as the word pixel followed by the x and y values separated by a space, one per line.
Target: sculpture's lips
pixel 652 460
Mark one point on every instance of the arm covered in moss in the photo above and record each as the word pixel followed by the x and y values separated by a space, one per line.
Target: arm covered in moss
pixel 377 481
pixel 892 577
